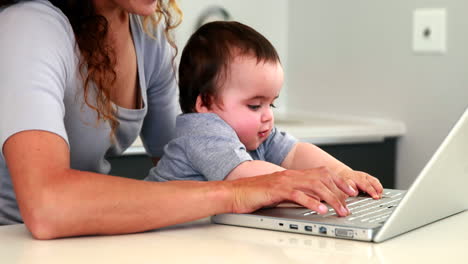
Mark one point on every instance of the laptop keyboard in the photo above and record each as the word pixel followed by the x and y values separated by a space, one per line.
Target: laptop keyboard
pixel 366 209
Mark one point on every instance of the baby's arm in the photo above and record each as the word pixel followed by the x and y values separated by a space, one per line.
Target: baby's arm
pixel 305 156
pixel 252 168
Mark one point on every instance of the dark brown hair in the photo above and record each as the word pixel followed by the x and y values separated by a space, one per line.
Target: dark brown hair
pixel 97 62
pixel 207 56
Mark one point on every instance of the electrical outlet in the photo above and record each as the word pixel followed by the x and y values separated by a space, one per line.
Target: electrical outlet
pixel 429 31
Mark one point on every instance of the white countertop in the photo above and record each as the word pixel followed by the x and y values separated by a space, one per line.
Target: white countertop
pixel 319 128
pixel 202 242
pixel 322 129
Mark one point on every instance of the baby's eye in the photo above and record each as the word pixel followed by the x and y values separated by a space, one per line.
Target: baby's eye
pixel 272 105
pixel 253 107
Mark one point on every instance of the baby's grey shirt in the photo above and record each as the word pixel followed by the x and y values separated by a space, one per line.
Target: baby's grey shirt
pixel 207 149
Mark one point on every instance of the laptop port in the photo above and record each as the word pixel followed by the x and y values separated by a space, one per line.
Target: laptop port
pixel 341 232
pixel 308 228
pixel 292 226
pixel 323 230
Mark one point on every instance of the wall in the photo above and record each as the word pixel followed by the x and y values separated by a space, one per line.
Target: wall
pixel 268 17
pixel 355 57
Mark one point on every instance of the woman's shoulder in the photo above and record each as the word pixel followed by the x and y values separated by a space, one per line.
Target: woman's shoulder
pixel 37 24
pixel 37 38
pixel 26 9
pixel 35 16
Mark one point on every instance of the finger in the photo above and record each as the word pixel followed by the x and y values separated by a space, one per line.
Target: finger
pixel 347 187
pixel 338 192
pixel 376 184
pixel 332 199
pixel 365 185
pixel 353 185
pixel 342 196
pixel 308 201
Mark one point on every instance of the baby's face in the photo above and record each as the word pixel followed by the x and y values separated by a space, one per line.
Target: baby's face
pixel 247 98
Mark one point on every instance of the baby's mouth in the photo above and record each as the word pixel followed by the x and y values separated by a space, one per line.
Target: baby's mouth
pixel 263 133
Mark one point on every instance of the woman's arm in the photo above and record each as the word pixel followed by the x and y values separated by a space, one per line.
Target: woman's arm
pixel 305 155
pixel 56 201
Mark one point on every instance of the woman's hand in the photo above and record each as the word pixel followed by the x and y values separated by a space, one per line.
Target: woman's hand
pixel 305 155
pixel 362 181
pixel 305 187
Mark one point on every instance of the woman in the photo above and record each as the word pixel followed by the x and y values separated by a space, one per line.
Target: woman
pixel 80 80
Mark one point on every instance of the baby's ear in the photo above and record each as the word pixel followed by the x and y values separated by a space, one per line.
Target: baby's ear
pixel 200 107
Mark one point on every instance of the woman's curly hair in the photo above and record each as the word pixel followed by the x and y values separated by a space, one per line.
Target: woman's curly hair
pixel 97 62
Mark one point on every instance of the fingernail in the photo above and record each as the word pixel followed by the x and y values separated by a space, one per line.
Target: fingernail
pixel 323 208
pixel 351 189
pixel 344 211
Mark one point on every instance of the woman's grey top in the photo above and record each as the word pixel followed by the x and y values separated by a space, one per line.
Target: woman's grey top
pixel 41 89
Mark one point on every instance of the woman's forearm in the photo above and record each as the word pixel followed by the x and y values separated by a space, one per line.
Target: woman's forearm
pixel 56 201
pixel 87 203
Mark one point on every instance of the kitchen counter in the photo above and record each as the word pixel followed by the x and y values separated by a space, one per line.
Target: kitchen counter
pixel 203 242
pixel 323 129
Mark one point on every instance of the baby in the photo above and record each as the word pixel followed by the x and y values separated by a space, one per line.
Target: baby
pixel 229 78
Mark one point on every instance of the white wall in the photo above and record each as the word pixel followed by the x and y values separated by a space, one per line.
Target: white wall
pixel 355 57
pixel 268 17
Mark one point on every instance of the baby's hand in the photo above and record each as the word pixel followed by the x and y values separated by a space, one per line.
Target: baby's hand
pixel 363 182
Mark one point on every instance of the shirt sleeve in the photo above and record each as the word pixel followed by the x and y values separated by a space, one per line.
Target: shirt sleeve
pixel 277 146
pixel 215 152
pixel 36 50
pixel 162 94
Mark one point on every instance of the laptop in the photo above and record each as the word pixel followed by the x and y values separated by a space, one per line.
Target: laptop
pixel 438 192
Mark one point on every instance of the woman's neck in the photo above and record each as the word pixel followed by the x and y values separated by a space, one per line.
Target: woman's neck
pixel 119 34
pixel 115 15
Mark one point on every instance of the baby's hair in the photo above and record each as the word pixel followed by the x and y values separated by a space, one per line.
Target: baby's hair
pixel 208 54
